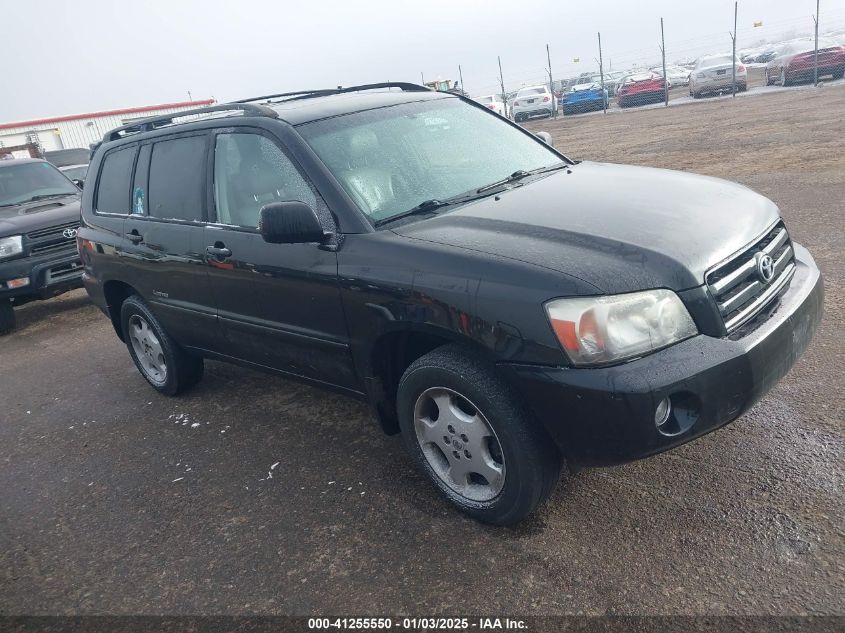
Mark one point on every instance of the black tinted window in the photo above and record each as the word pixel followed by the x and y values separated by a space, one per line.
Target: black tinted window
pixel 113 188
pixel 175 189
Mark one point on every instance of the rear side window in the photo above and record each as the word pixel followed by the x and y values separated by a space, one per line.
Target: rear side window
pixel 113 186
pixel 175 180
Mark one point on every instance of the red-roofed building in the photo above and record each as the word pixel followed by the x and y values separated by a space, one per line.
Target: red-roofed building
pixel 81 130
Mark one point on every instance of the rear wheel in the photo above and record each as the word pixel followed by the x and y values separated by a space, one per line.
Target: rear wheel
pixel 7 317
pixel 166 366
pixel 838 74
pixel 469 433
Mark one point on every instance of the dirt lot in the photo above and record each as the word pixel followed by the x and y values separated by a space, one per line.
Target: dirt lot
pixel 118 500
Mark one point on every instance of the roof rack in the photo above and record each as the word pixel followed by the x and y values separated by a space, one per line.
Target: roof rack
pixel 152 123
pixel 309 94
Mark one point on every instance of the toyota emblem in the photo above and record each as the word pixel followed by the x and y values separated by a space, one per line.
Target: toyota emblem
pixel 69 233
pixel 765 267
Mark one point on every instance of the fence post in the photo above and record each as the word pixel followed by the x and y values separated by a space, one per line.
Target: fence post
pixel 816 53
pixel 551 81
pixel 502 85
pixel 733 60
pixel 601 76
pixel 663 53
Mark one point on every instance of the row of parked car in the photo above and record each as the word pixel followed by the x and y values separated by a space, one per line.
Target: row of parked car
pixel 791 62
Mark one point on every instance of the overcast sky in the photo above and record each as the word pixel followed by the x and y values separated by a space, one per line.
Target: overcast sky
pixel 63 57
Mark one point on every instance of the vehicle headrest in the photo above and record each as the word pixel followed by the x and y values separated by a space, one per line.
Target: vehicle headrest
pixel 363 145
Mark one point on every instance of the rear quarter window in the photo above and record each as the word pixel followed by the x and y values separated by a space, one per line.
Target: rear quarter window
pixel 113 185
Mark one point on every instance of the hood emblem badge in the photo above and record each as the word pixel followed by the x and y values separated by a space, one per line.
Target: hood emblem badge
pixel 765 267
pixel 69 233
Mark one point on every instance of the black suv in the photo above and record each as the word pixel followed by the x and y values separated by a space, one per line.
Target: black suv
pixel 504 307
pixel 39 217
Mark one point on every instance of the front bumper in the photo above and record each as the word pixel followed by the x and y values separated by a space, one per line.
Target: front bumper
pixel 604 416
pixel 49 275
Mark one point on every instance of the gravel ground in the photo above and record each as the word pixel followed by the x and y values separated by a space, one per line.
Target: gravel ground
pixel 253 494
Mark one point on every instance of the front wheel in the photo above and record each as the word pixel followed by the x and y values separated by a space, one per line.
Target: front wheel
pixel 784 81
pixel 471 435
pixel 165 365
pixel 7 317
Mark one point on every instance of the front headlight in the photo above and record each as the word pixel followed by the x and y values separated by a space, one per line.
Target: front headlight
pixel 601 330
pixel 10 246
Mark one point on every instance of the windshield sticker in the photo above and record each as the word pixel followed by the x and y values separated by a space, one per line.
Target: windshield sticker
pixel 138 201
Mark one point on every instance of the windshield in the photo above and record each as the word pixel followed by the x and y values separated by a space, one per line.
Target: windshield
pixel 721 60
pixel 31 181
pixel 391 159
pixel 75 173
pixel 485 99
pixel 530 91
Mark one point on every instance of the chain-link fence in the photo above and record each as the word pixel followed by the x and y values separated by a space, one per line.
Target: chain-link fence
pixel 796 51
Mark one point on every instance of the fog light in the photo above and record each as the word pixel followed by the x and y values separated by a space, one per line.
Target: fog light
pixel 18 283
pixel 661 413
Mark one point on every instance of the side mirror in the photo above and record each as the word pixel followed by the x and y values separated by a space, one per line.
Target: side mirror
pixel 78 182
pixel 545 137
pixel 290 223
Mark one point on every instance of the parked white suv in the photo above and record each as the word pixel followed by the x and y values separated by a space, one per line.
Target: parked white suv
pixel 715 74
pixel 533 101
pixel 495 103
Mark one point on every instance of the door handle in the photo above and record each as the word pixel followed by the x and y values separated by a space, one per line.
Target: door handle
pixel 135 237
pixel 220 252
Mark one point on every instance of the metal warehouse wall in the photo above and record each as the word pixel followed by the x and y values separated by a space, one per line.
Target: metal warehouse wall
pixel 81 132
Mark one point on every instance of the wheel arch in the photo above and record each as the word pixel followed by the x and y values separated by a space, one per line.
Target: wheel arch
pixel 115 293
pixel 391 354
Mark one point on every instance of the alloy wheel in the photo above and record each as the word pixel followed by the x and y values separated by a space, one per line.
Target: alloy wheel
pixel 459 444
pixel 148 350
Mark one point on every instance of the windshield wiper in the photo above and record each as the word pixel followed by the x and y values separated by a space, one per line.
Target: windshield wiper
pixel 425 206
pixel 555 167
pixel 519 174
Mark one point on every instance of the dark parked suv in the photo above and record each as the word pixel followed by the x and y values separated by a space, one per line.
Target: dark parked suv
pixel 39 217
pixel 503 307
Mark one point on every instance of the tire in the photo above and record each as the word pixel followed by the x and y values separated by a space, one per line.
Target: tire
pixel 487 428
pixel 838 74
pixel 7 317
pixel 162 363
pixel 783 80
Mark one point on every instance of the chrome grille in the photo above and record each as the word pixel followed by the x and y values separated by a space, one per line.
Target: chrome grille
pixel 52 231
pixel 53 247
pixel 738 288
pixel 50 240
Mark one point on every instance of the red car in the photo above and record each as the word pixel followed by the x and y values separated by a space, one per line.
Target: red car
pixel 639 89
pixel 795 61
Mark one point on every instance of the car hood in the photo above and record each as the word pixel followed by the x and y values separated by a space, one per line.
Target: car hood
pixel 619 228
pixel 31 216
